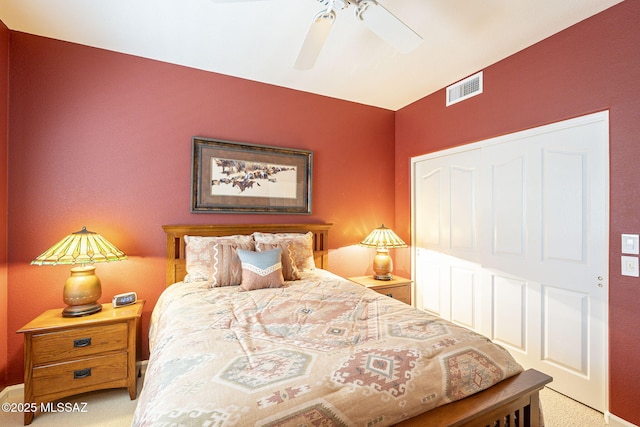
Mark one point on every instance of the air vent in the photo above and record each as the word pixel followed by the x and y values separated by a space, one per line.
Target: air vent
pixel 471 86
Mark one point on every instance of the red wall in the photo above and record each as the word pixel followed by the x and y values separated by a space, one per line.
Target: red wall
pixel 4 147
pixel 103 139
pixel 593 66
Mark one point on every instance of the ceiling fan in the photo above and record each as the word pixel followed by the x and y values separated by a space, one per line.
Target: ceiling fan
pixel 375 16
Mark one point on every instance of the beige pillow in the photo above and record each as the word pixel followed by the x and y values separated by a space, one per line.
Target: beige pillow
pixel 301 246
pixel 199 253
pixel 289 269
pixel 226 266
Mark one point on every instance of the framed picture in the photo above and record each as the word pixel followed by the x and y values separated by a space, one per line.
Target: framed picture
pixel 239 177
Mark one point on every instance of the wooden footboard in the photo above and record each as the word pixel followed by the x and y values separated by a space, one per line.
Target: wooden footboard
pixel 513 402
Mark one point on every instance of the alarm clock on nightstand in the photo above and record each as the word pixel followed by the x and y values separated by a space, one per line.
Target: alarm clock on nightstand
pixel 121 300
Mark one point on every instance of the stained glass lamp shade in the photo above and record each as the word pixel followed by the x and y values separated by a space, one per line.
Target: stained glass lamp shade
pixel 83 288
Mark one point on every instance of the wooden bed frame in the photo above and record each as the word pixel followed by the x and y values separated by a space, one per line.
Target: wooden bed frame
pixel 514 402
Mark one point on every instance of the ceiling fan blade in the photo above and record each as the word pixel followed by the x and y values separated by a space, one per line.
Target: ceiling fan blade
pixel 313 42
pixel 387 26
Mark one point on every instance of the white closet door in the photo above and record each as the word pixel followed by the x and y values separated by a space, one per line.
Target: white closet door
pixel 449 224
pixel 531 269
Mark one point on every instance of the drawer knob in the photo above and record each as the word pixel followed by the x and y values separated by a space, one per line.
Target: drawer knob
pixel 82 342
pixel 81 373
pixel 390 295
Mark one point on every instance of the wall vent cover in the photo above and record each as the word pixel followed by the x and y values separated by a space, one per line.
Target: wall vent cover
pixel 464 89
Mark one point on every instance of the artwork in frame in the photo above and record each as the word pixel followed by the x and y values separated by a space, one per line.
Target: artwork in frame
pixel 238 177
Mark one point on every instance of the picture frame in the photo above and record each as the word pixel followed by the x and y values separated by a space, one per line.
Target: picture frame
pixel 238 177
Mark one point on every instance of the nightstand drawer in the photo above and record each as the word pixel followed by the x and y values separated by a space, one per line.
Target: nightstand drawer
pixel 79 342
pixel 400 292
pixel 82 373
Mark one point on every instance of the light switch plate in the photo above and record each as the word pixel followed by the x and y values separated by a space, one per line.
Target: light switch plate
pixel 631 244
pixel 630 266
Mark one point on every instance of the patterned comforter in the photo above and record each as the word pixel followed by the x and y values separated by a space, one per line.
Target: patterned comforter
pixel 321 351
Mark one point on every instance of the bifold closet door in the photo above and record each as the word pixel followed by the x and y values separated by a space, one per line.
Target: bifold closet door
pixel 511 240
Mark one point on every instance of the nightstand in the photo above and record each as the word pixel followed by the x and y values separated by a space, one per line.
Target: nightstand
pixel 64 356
pixel 398 287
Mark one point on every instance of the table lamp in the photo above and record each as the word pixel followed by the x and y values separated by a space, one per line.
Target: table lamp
pixel 83 288
pixel 383 238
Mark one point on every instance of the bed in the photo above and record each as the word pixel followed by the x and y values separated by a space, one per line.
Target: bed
pixel 317 351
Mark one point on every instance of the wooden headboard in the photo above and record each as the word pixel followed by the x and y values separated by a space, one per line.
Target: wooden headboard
pixel 175 255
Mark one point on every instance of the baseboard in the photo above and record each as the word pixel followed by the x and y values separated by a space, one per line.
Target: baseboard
pixel 10 392
pixel 614 421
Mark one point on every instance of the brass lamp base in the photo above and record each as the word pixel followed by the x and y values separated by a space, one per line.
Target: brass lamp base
pixel 382 264
pixel 81 292
pixel 81 310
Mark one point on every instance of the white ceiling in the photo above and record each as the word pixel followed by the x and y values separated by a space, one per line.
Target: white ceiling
pixel 260 39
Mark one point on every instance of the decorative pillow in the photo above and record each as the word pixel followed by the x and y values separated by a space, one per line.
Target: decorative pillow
pixel 261 269
pixel 199 253
pixel 301 246
pixel 226 266
pixel 289 269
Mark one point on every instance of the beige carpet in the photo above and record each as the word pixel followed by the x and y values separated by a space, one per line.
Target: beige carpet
pixel 113 408
pixel 109 408
pixel 560 411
